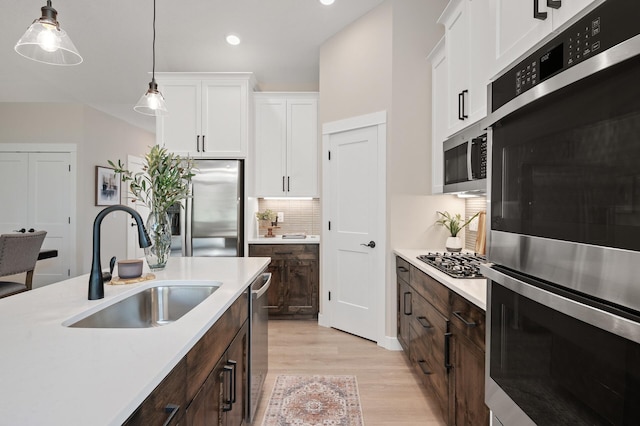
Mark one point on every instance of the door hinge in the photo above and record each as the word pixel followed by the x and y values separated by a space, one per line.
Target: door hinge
pixel 329 225
pixel 329 295
pixel 69 218
pixel 329 155
pixel 68 272
pixel 69 167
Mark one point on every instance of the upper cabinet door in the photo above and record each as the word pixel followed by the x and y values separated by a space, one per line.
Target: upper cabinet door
pixel 439 108
pixel 302 148
pixel 271 140
pixel 224 118
pixel 468 41
pixel 180 129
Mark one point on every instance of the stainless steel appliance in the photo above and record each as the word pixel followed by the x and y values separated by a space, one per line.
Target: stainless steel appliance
pixel 259 341
pixel 211 221
pixel 456 265
pixel 465 161
pixel 564 195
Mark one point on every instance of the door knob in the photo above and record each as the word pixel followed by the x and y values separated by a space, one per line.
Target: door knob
pixel 22 230
pixel 371 244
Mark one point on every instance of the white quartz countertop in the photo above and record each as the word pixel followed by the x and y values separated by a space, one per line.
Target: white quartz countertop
pixel 311 239
pixel 474 290
pixel 55 375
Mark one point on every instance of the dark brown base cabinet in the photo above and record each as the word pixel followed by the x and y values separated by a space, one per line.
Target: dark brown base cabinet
pixel 208 386
pixel 443 336
pixel 295 279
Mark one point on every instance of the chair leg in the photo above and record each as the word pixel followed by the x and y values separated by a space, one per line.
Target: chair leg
pixel 29 279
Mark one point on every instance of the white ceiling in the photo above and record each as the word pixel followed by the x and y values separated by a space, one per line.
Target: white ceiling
pixel 280 44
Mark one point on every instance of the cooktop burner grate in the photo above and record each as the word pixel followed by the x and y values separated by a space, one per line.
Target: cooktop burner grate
pixel 456 265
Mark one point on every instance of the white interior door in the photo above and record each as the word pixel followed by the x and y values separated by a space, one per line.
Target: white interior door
pixel 355 267
pixel 50 210
pixel 38 195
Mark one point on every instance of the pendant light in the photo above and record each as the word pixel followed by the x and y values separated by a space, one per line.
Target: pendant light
pixel 152 102
pixel 44 41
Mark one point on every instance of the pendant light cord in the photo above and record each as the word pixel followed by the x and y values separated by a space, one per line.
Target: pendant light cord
pixel 153 69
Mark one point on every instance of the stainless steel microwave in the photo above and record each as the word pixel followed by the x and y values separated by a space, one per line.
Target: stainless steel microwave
pixel 465 161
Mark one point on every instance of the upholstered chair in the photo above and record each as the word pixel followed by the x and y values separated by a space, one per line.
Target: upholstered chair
pixel 18 254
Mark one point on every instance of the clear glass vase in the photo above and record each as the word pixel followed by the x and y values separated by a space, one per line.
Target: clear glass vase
pixel 159 229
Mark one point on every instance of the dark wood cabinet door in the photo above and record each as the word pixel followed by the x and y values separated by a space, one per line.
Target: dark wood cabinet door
pixel 236 392
pixel 275 294
pixel 468 360
pixel 301 288
pixel 405 311
pixel 205 409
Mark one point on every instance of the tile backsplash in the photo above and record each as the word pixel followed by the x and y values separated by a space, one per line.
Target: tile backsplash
pixel 472 206
pixel 299 215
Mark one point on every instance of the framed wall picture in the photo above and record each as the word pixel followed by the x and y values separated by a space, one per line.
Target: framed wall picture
pixel 107 186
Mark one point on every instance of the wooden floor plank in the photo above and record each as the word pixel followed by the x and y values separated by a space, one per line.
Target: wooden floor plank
pixel 390 393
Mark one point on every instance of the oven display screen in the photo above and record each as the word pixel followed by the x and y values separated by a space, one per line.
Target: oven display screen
pixel 551 62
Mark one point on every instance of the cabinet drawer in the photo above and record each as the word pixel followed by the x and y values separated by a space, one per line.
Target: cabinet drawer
pixel 285 251
pixel 468 319
pixel 434 292
pixel 167 397
pixel 260 250
pixel 402 269
pixel 206 353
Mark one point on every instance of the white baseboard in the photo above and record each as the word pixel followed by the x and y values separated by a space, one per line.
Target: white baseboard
pixel 390 343
pixel 322 321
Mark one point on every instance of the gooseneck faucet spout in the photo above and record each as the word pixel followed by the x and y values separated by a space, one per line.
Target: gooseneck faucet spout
pixel 96 283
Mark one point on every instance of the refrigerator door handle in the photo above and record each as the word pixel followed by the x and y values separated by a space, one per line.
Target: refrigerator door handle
pixel 187 249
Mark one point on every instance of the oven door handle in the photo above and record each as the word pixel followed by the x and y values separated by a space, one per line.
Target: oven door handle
pixel 596 313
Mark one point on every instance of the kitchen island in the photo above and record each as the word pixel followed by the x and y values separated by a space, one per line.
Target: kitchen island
pixel 57 375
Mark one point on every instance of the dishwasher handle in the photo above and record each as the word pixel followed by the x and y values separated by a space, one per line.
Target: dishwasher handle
pixel 262 290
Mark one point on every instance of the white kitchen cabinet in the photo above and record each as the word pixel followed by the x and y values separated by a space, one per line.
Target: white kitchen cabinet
pixel 439 108
pixel 208 114
pixel 286 145
pixel 468 41
pixel 518 27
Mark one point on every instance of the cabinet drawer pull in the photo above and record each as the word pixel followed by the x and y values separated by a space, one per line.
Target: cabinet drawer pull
pixel 283 252
pixel 458 315
pixel 402 269
pixel 234 366
pixel 409 304
pixel 421 364
pixel 556 4
pixel 288 183
pixel 283 184
pixel 424 323
pixel 172 410
pixel 198 143
pixel 460 95
pixel 203 148
pixel 227 403
pixel 447 351
pixel 536 11
pixel 464 115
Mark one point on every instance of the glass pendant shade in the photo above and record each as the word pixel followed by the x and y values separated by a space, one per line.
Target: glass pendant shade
pixel 44 41
pixel 152 102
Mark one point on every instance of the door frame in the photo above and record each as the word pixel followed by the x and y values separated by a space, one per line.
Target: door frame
pixel 379 120
pixel 72 149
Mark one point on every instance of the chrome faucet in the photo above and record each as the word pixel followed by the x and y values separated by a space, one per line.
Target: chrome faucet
pixel 96 282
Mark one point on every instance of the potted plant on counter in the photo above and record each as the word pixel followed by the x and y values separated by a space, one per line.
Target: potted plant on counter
pixel 164 181
pixel 454 224
pixel 267 218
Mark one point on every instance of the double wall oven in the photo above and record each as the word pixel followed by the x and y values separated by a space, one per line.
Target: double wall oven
pixel 564 217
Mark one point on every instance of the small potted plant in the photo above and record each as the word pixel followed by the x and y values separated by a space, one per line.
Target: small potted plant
pixel 454 224
pixel 267 217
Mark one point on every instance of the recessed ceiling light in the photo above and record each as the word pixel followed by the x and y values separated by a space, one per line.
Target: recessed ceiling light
pixel 327 2
pixel 233 39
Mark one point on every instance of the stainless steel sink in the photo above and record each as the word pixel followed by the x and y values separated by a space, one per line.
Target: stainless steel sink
pixel 151 307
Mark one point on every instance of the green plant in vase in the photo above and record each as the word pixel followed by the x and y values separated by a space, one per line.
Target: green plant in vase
pixel 454 224
pixel 165 180
pixel 267 218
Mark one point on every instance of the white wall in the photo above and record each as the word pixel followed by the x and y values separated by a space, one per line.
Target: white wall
pixel 379 63
pixel 98 137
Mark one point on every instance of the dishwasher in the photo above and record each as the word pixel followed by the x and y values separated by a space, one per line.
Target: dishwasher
pixel 259 339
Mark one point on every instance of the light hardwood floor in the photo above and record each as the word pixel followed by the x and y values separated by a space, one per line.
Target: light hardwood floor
pixel 390 393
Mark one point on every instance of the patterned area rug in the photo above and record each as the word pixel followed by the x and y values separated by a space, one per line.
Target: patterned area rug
pixel 314 401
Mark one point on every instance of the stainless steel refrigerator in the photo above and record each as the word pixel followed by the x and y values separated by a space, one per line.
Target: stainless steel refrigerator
pixel 210 222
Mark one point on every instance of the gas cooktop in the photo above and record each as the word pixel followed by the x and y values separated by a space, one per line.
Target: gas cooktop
pixel 456 265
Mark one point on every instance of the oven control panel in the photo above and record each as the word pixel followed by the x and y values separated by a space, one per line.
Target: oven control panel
pixel 606 26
